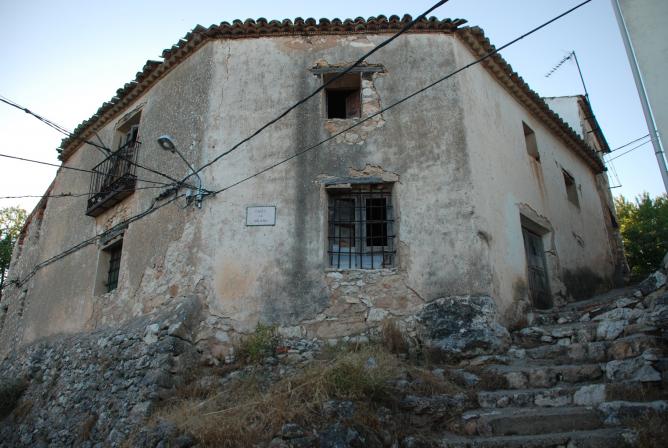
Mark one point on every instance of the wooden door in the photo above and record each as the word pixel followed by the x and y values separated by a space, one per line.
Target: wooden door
pixel 539 291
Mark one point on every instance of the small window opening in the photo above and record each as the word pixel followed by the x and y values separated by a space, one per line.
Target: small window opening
pixel 361 227
pixel 530 142
pixel 571 188
pixel 128 132
pixel 343 95
pixel 114 253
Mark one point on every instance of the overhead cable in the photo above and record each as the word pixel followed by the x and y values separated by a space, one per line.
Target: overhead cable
pixel 84 243
pixel 359 61
pixel 630 150
pixel 153 208
pixel 65 167
pixel 402 100
pixel 74 195
pixel 105 150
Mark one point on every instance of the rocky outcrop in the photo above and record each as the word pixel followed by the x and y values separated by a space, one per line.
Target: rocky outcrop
pixel 463 326
pixel 95 389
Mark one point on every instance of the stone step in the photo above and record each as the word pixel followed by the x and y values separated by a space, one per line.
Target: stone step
pixel 575 332
pixel 525 421
pixel 598 438
pixel 535 375
pixel 600 300
pixel 582 332
pixel 629 412
pixel 567 395
pixel 538 318
pixel 596 351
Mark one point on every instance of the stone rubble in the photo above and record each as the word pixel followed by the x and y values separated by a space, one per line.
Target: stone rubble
pixel 577 376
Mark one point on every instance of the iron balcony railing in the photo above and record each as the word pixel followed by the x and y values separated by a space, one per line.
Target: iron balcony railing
pixel 113 180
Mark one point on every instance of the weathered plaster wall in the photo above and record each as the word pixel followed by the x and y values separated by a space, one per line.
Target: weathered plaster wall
pixel 156 255
pixel 454 155
pixel 279 274
pixel 509 182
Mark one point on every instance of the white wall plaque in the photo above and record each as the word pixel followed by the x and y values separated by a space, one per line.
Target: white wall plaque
pixel 261 216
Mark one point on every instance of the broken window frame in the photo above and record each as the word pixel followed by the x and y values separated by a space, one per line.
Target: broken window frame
pixel 347 89
pixel 354 241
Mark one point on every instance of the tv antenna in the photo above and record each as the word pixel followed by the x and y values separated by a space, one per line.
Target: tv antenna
pixel 568 57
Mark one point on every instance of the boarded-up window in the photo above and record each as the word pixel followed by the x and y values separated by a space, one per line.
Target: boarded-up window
pixel 343 95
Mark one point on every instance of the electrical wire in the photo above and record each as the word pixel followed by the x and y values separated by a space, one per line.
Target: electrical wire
pixel 105 150
pixel 408 26
pixel 75 195
pixel 152 208
pixel 84 243
pixel 629 143
pixel 402 100
pixel 65 167
pixel 626 152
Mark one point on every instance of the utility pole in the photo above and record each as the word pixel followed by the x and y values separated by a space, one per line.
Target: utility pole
pixel 649 117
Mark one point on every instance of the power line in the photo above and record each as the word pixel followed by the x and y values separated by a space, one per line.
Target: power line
pixel 82 244
pixel 402 100
pixel 408 26
pixel 75 195
pixel 65 167
pixel 626 152
pixel 629 143
pixel 104 149
pixel 152 208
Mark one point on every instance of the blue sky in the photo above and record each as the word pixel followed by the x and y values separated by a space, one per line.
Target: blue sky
pixel 64 59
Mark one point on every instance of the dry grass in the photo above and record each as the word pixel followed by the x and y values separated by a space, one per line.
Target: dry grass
pixel 249 412
pixel 652 431
pixel 392 337
pixel 257 346
pixel 426 382
pixel 491 380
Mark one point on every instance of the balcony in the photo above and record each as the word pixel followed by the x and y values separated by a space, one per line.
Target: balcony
pixel 113 180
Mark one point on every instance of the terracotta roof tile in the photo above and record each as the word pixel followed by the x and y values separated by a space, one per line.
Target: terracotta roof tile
pixel 238 29
pixel 472 36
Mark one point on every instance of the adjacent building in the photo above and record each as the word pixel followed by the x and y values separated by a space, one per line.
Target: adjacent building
pixel 475 186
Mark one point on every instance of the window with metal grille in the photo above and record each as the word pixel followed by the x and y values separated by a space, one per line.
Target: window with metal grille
pixel 114 265
pixel 361 227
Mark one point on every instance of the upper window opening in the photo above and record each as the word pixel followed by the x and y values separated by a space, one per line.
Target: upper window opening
pixel 114 178
pixel 361 227
pixel 571 188
pixel 343 95
pixel 128 132
pixel 114 253
pixel 530 142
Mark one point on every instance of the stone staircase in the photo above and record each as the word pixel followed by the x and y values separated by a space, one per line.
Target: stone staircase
pixel 578 376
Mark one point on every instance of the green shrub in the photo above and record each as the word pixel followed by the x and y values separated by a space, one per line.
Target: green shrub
pixel 259 345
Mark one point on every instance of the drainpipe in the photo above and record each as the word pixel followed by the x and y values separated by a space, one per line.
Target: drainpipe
pixel 649 117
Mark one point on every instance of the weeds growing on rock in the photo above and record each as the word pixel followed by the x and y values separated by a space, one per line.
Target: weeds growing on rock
pixel 652 430
pixel 250 410
pixel 259 345
pixel 392 337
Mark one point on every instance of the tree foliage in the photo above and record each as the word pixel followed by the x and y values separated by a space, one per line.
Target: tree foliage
pixel 11 223
pixel 644 227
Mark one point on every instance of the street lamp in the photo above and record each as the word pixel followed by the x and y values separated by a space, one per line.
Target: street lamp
pixel 166 142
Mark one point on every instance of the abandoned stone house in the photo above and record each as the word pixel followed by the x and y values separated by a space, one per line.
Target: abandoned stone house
pixel 475 186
